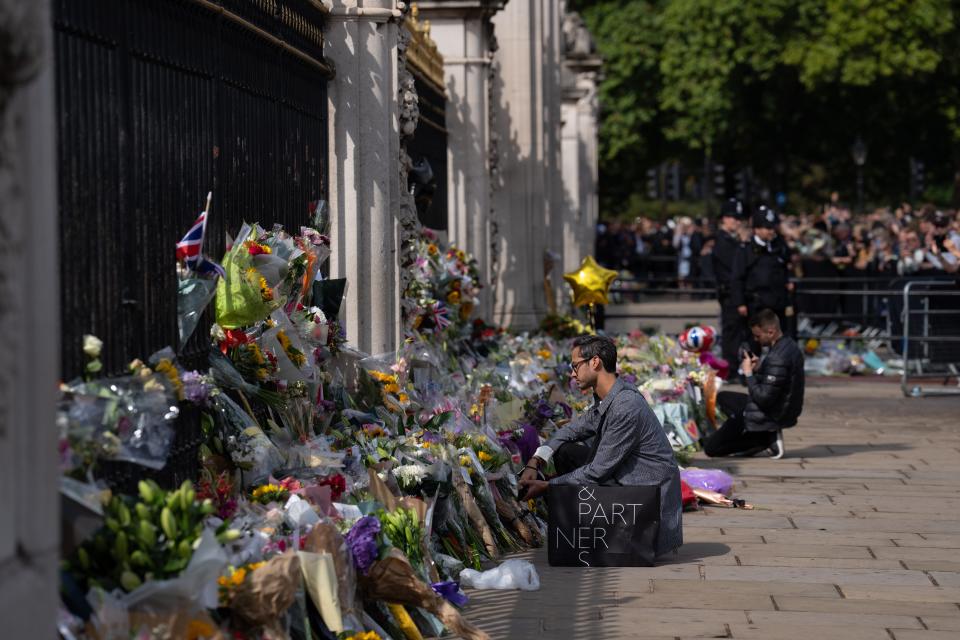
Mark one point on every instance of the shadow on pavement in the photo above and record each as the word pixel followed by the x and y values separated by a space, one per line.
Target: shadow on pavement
pixel 840 450
pixel 694 551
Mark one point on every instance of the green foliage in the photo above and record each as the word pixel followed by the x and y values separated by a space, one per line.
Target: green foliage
pixel 783 86
pixel 857 42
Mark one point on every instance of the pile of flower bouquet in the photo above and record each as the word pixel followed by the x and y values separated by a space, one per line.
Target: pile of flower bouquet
pixel 340 494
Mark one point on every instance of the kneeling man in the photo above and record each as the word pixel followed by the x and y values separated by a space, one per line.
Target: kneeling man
pixel 618 441
pixel 774 400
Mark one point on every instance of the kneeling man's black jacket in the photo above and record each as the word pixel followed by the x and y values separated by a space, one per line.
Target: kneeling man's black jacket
pixel 776 389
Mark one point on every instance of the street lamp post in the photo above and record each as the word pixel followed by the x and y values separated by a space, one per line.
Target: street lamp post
pixel 859 153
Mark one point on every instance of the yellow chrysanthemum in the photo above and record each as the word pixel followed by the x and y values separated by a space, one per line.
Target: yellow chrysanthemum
pixel 484 456
pixel 265 489
pixel 197 629
pixel 379 376
pixel 265 291
pixel 544 353
pixel 166 368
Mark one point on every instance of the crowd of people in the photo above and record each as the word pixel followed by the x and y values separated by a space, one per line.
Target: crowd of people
pixel 830 243
pixel 752 259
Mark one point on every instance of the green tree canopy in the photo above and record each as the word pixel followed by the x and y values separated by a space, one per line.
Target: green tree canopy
pixel 782 86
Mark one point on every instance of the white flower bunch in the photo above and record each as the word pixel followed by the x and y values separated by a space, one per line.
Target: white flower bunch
pixel 410 474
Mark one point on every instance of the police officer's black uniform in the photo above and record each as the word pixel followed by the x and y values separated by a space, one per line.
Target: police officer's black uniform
pixel 732 324
pixel 761 271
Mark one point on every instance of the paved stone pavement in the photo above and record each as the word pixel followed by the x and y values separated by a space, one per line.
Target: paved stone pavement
pixel 855 536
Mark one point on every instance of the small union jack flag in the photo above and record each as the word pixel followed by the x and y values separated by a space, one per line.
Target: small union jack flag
pixel 440 316
pixel 190 248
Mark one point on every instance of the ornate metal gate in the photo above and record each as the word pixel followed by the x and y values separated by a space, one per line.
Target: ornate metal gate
pixel 159 102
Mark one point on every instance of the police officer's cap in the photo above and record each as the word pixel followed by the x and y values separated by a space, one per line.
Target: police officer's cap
pixel 938 218
pixel 732 208
pixel 766 217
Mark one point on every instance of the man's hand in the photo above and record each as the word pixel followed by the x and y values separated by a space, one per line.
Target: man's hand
pixel 530 489
pixel 742 310
pixel 749 364
pixel 531 473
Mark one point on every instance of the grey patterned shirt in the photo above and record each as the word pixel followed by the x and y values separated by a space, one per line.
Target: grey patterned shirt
pixel 632 450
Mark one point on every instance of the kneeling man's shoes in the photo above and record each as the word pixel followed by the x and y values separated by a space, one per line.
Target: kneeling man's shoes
pixel 776 449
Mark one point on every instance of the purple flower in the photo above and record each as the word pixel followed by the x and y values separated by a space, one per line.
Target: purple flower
pixel 195 389
pixel 326 406
pixel 567 410
pixel 629 378
pixel 450 591
pixel 362 540
pixel 431 437
pixel 528 442
pixel 544 410
pixel 227 509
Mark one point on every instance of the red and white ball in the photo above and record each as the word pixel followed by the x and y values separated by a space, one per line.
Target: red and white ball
pixel 697 338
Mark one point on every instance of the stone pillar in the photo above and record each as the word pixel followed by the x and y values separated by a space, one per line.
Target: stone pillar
pixel 529 201
pixel 365 190
pixel 553 45
pixel 29 319
pixel 581 74
pixel 462 31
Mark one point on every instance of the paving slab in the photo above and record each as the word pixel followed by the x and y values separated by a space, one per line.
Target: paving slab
pixel 776 631
pixel 847 605
pixel 819 619
pixel 819 575
pixel 855 536
pixel 923 635
pixel 702 588
pixel 907 594
pixel 942 623
pixel 823 563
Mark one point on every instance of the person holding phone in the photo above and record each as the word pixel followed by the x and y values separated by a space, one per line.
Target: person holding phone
pixel 774 398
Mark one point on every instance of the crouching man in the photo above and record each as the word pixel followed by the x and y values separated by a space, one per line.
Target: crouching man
pixel 618 441
pixel 775 399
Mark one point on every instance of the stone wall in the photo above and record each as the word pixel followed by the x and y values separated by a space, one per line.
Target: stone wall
pixel 29 530
pixel 522 147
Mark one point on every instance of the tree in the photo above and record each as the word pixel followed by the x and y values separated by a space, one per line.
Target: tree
pixel 629 40
pixel 783 86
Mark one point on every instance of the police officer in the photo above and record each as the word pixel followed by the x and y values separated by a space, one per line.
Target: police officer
pixel 761 270
pixel 728 245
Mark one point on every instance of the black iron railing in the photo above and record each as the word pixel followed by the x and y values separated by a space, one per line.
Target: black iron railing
pixel 159 102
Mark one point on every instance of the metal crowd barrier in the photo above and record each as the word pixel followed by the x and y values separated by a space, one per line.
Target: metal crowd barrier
pixel 926 313
pixel 896 312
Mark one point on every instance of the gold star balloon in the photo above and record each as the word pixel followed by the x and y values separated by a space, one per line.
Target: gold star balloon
pixel 590 282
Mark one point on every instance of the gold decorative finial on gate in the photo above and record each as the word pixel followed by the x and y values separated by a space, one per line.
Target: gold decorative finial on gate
pixel 422 52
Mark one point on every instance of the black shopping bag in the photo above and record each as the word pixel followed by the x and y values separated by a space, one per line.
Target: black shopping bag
pixel 594 526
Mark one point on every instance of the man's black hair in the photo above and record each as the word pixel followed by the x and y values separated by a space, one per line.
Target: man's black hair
pixel 764 318
pixel 591 346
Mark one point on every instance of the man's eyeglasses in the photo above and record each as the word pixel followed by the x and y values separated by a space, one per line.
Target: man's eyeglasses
pixel 576 365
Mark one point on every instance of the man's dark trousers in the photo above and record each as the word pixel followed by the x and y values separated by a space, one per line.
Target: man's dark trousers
pixel 732 332
pixel 570 456
pixel 733 436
